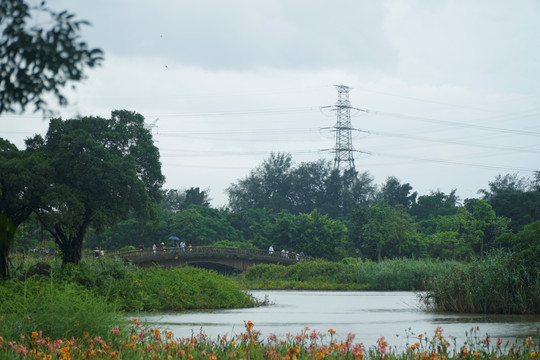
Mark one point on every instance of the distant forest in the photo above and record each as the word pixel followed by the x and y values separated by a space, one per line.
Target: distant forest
pixel 331 214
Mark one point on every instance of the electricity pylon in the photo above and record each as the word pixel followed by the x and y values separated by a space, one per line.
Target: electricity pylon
pixel 343 149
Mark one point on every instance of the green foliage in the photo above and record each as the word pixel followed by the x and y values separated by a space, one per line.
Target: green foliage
pixel 277 185
pixel 134 289
pixel 388 232
pixel 23 181
pixel 394 193
pixel 105 170
pixel 497 284
pixel 314 234
pixel 346 275
pixel 434 205
pixel 199 226
pixel 234 244
pixel 178 289
pixel 58 308
pixel 526 245
pixel 35 60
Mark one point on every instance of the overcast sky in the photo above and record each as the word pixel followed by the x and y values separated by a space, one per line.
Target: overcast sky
pixel 451 87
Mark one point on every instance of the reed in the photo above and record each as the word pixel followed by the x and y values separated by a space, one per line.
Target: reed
pixel 496 284
pixel 350 274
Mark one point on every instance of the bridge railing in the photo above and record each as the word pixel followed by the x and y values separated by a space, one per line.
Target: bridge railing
pixel 206 250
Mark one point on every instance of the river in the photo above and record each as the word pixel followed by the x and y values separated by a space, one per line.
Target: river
pixel 369 315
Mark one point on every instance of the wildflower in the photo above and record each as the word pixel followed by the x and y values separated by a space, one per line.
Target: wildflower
pixel 476 354
pixel 534 354
pixel 331 331
pixel 34 334
pixel 382 345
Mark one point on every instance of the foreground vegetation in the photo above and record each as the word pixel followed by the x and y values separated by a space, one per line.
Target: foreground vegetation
pixel 95 295
pixel 137 342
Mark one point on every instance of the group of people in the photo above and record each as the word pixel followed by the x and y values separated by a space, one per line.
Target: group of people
pixel 286 253
pixel 98 252
pixel 181 245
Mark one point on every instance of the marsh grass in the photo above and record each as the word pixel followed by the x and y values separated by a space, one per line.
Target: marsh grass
pixel 497 284
pixel 350 274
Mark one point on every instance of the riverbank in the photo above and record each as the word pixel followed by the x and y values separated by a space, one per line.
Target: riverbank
pixel 497 284
pixel 95 295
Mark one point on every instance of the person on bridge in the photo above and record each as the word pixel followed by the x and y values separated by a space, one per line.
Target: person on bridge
pixel 183 245
pixel 271 250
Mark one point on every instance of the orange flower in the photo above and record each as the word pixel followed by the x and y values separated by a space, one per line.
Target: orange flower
pixel 332 331
pixel 34 335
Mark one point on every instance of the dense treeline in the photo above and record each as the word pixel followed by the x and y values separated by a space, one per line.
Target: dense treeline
pixel 328 214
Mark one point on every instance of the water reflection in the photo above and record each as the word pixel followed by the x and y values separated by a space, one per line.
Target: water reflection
pixel 369 315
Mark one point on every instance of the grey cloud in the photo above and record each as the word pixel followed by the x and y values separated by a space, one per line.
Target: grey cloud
pixel 242 34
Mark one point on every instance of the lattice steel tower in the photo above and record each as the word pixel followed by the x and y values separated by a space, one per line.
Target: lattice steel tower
pixel 344 148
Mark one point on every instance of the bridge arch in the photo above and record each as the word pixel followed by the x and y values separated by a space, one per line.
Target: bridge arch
pixel 206 256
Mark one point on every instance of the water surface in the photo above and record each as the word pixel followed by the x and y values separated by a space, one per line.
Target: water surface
pixel 369 315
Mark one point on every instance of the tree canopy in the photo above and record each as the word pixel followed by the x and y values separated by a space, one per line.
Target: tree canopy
pixel 104 169
pixel 38 60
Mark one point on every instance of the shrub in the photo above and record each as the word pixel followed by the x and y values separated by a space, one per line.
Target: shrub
pixel 58 308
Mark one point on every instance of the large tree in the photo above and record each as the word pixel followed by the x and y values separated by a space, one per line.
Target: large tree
pixel 22 182
pixel 38 60
pixel 104 169
pixel 515 198
pixel 266 187
pixel 388 232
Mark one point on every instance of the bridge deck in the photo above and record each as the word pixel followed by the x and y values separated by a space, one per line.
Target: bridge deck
pixel 237 258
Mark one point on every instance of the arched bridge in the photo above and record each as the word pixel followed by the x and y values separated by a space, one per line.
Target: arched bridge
pixel 218 258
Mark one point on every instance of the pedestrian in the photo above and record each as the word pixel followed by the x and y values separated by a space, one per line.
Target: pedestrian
pixel 271 250
pixel 183 245
pixel 141 249
pixel 96 252
pixel 162 246
pixel 190 248
pixel 154 248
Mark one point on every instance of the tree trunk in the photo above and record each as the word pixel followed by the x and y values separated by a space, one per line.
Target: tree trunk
pixel 7 237
pixel 70 246
pixel 72 253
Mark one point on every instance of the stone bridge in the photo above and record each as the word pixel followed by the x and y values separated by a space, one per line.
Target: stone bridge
pixel 217 258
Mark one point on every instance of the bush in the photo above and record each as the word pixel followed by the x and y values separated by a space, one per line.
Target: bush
pixel 58 308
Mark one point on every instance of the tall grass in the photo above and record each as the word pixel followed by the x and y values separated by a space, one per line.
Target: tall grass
pixel 401 274
pixel 58 308
pixel 95 295
pixel 496 284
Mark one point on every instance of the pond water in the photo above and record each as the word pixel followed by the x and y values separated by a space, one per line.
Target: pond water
pixel 369 315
